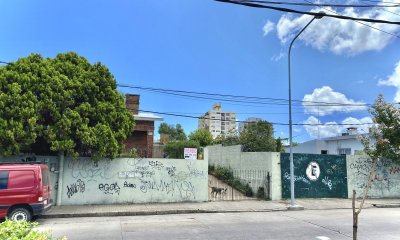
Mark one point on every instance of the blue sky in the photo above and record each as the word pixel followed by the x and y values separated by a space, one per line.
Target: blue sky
pixel 208 46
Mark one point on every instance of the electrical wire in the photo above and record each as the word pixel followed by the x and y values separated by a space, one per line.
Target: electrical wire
pixel 315 14
pixel 373 27
pixel 273 123
pixel 233 98
pixel 320 4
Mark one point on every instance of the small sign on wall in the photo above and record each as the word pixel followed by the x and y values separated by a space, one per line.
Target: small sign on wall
pixel 190 153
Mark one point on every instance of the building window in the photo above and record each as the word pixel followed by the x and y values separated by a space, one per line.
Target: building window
pixel 344 151
pixel 324 151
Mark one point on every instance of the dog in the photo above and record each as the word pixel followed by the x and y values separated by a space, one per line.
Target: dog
pixel 216 190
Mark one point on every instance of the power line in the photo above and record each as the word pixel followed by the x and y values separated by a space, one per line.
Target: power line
pixel 320 4
pixel 233 98
pixel 373 27
pixel 308 13
pixel 273 123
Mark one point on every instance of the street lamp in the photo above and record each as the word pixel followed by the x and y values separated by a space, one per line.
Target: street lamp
pixel 293 205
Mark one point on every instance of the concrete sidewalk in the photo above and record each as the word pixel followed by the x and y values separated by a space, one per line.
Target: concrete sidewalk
pixel 207 207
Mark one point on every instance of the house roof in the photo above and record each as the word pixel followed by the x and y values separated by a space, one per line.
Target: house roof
pixel 147 117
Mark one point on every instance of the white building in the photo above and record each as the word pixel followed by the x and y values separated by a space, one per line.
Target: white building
pixel 348 143
pixel 218 122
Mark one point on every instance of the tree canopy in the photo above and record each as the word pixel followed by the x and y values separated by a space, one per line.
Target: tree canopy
pixel 258 137
pixel 202 136
pixel 385 132
pixel 64 104
pixel 171 133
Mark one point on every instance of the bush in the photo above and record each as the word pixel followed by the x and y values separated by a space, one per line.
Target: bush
pixel 260 193
pixel 226 175
pixel 22 230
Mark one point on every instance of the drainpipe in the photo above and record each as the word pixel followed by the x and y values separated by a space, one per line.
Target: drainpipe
pixel 60 177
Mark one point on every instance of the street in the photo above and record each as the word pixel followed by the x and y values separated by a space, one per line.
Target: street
pixel 309 224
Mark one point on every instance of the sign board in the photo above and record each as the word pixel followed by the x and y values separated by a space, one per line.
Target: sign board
pixel 190 153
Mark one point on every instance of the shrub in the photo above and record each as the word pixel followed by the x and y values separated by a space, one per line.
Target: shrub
pixel 22 230
pixel 226 175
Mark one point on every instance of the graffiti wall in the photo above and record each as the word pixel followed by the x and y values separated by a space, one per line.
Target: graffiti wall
pixel 315 176
pixel 128 180
pixel 386 180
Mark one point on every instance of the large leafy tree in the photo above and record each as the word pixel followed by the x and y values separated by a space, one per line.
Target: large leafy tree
pixel 202 136
pixel 61 105
pixel 171 133
pixel 258 137
pixel 383 142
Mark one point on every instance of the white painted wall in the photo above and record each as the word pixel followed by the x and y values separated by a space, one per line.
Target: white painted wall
pixel 386 183
pixel 249 162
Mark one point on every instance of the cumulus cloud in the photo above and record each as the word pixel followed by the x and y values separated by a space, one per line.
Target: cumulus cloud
pixel 341 36
pixel 330 129
pixel 268 27
pixel 393 80
pixel 318 102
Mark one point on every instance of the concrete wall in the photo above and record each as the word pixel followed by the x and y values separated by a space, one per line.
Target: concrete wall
pixel 234 158
pixel 127 180
pixel 386 182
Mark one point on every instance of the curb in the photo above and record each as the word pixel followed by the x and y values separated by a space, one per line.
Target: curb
pixel 389 205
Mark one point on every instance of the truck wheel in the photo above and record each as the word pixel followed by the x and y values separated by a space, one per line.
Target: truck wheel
pixel 20 214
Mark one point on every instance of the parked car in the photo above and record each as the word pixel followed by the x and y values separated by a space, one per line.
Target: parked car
pixel 24 190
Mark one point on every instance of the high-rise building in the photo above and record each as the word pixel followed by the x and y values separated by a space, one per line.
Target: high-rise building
pixel 243 125
pixel 218 122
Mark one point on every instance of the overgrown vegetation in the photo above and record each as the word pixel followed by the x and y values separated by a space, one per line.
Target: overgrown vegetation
pixel 22 230
pixel 226 175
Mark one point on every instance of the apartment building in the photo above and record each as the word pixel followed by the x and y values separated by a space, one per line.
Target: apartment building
pixel 243 125
pixel 218 122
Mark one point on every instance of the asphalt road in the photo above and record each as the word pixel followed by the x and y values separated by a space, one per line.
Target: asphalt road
pixel 375 224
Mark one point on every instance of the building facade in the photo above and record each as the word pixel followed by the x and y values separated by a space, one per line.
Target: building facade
pixel 348 143
pixel 218 122
pixel 243 125
pixel 142 137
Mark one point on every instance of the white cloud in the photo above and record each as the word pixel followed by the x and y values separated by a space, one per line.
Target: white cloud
pixel 331 129
pixel 278 57
pixel 341 36
pixel 393 80
pixel 318 102
pixel 328 129
pixel 268 27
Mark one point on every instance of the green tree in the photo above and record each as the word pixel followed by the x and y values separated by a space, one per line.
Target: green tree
pixel 258 137
pixel 176 149
pixel 202 136
pixel 61 105
pixel 385 145
pixel 171 133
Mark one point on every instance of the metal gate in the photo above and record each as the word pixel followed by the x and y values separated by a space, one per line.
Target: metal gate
pixel 315 175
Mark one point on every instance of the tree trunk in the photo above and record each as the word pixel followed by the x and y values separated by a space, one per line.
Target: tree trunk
pixel 355 216
pixel 369 184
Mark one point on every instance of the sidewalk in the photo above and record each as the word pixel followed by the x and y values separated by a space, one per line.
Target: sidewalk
pixel 208 207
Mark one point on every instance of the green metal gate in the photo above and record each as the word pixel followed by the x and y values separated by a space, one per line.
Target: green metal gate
pixel 316 176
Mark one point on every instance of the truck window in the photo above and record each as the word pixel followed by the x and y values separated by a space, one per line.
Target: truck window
pixel 3 179
pixel 21 179
pixel 45 177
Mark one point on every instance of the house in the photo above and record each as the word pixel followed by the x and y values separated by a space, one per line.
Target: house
pixel 348 143
pixel 142 137
pixel 218 122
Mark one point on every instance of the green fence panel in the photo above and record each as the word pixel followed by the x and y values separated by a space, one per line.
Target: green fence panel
pixel 316 176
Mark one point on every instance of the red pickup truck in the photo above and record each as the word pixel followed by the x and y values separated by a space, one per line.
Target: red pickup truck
pixel 24 190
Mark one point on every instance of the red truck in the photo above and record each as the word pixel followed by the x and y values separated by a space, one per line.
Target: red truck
pixel 24 190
